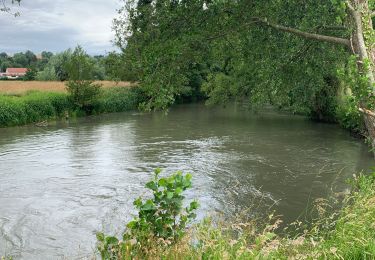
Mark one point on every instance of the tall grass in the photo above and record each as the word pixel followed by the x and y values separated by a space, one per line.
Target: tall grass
pixel 349 234
pixel 118 99
pixel 36 106
pixel 32 107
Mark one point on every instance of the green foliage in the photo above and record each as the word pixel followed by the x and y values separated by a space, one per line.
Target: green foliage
pixel 78 65
pixel 32 107
pixel 31 74
pixel 162 56
pixel 83 93
pixel 180 48
pixel 117 99
pixel 53 67
pixel 48 74
pixel 347 235
pixel 161 219
pixel 35 106
pixel 220 88
pixel 18 60
pixel 118 68
pixel 349 116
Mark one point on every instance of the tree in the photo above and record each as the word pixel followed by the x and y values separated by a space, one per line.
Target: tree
pixel 357 15
pixel 118 68
pixel 31 74
pixel 55 68
pixel 82 91
pixel 20 60
pixel 30 57
pixel 47 74
pixel 46 55
pixel 286 53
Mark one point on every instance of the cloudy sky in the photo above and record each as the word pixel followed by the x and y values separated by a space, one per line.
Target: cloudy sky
pixel 55 25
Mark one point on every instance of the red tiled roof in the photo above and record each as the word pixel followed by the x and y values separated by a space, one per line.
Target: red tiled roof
pixel 16 70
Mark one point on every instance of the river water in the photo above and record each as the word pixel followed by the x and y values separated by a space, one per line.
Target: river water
pixel 62 183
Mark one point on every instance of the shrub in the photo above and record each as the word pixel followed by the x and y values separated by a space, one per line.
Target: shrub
pixel 83 94
pixel 30 74
pixel 161 219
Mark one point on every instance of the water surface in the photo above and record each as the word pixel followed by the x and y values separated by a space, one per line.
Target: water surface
pixel 60 184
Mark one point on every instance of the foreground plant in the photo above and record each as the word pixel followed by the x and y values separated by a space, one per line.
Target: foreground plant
pixel 348 234
pixel 161 220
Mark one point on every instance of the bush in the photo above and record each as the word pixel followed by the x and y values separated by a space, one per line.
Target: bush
pixel 161 219
pixel 30 74
pixel 83 94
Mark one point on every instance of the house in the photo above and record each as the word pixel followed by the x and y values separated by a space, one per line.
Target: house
pixel 14 73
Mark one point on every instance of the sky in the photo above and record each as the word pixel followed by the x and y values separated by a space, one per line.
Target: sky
pixel 56 25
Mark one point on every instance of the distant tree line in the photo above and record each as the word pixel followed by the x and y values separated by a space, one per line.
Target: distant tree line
pixel 52 67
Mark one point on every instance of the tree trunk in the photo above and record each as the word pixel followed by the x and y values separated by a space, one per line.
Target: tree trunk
pixel 361 17
pixel 363 48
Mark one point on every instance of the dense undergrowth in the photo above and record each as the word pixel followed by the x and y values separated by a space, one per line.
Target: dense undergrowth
pixel 348 234
pixel 36 106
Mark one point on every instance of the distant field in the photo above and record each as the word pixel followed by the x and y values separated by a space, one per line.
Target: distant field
pixel 17 87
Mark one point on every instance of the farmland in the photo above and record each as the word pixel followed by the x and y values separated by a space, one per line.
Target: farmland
pixel 19 87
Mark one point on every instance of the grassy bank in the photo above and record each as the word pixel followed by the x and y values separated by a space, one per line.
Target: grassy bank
pixel 348 234
pixel 36 106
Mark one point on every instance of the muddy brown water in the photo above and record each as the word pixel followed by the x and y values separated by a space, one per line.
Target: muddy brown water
pixel 62 183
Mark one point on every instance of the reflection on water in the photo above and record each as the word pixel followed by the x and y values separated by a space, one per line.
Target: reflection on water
pixel 61 184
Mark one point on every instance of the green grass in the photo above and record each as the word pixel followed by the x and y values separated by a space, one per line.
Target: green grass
pixel 348 234
pixel 36 106
pixel 31 107
pixel 118 99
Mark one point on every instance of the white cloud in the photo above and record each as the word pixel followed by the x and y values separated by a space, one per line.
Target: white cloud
pixel 59 24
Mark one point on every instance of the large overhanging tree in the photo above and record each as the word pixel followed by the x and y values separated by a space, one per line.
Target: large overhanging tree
pixel 361 43
pixel 257 43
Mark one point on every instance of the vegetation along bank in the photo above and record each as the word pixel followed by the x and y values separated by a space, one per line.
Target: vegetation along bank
pixel 83 97
pixel 160 229
pixel 37 106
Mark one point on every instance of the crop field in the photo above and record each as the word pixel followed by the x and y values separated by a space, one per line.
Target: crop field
pixel 19 87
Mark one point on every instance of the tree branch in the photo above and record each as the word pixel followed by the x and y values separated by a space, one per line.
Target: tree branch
pixel 350 6
pixel 313 36
pixel 6 9
pixel 366 111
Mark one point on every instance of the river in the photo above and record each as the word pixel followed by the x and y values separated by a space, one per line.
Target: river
pixel 62 183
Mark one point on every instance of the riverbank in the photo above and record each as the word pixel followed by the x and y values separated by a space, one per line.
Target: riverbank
pixel 36 106
pixel 349 234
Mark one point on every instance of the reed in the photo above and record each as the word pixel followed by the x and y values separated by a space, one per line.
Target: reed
pixel 35 106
